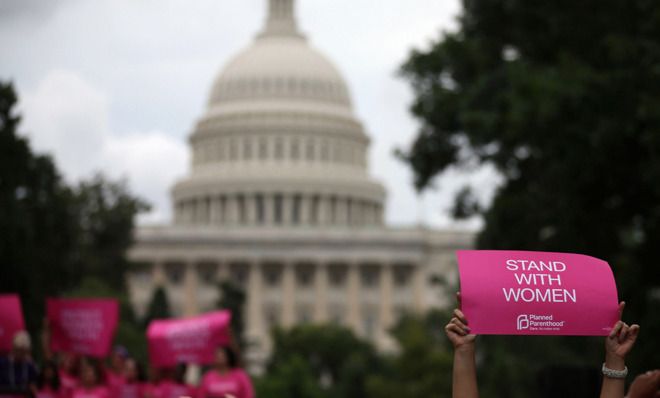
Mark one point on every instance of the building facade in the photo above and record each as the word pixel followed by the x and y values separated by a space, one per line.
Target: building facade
pixel 279 199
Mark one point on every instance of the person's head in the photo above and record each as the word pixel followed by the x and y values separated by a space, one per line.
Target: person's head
pixel 91 372
pixel 118 357
pixel 225 358
pixel 48 376
pixel 70 363
pixel 21 346
pixel 133 371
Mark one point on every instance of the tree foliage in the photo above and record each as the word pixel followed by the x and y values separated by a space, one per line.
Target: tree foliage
pixel 159 306
pixel 54 236
pixel 562 98
pixel 423 365
pixel 232 298
pixel 338 363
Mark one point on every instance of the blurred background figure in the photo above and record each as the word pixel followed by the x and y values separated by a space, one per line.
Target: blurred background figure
pixel 226 378
pixel 17 370
pixel 646 385
pixel 92 380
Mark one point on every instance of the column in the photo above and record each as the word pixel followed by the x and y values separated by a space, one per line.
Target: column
pixel 324 210
pixel 418 289
pixel 254 325
pixel 232 210
pixel 213 210
pixel 288 295
pixel 305 209
pixel 190 305
pixel 158 274
pixel 287 209
pixel 386 288
pixel 223 270
pixel 269 209
pixel 354 298
pixel 251 209
pixel 321 287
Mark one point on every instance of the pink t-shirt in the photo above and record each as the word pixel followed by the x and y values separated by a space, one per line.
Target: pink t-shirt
pixel 114 380
pixel 170 389
pixel 94 392
pixel 67 381
pixel 48 392
pixel 129 390
pixel 216 385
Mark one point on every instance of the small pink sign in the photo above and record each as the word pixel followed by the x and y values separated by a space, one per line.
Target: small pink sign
pixel 82 326
pixel 11 319
pixel 188 340
pixel 537 293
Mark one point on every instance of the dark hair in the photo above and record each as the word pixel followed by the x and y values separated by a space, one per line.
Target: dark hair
pixel 97 365
pixel 54 382
pixel 141 374
pixel 180 372
pixel 232 358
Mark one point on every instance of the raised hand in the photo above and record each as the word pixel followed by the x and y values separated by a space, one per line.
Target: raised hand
pixel 646 385
pixel 457 329
pixel 621 339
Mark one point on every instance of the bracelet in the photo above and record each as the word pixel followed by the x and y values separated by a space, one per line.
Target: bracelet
pixel 614 374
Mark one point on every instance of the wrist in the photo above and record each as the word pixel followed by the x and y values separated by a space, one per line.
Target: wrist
pixel 464 349
pixel 615 362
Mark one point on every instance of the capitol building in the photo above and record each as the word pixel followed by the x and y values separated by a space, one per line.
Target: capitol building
pixel 279 199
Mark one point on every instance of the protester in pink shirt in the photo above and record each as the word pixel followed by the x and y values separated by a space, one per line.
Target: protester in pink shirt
pixel 115 372
pixel 226 379
pixel 132 383
pixel 168 383
pixel 92 381
pixel 69 371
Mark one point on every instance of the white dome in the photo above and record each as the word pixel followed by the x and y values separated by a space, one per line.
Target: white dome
pixel 280 134
pixel 280 67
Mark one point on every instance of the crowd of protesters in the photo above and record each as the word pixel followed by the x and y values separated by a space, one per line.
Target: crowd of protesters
pixel 67 375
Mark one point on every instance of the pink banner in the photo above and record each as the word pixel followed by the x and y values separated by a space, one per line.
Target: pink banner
pixel 82 326
pixel 537 293
pixel 11 319
pixel 188 340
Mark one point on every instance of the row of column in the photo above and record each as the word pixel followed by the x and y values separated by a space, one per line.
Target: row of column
pixel 277 209
pixel 255 301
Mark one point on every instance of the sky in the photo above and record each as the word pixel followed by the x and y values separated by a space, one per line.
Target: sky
pixel 115 86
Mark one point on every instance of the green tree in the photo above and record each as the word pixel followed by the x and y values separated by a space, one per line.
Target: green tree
pixel 562 99
pixel 339 362
pixel 232 298
pixel 38 230
pixel 105 212
pixel 422 368
pixel 159 306
pixel 292 379
pixel 52 236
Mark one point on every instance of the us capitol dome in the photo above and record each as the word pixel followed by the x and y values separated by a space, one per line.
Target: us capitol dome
pixel 279 200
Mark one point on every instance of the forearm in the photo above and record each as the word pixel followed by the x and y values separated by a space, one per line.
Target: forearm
pixel 464 382
pixel 613 388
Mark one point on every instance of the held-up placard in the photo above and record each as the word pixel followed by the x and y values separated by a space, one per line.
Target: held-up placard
pixel 82 326
pixel 191 340
pixel 11 319
pixel 537 293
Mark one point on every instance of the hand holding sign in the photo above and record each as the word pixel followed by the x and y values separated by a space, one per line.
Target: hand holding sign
pixel 457 329
pixel 620 341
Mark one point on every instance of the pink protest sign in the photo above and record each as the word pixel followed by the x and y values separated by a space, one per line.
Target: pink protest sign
pixel 11 319
pixel 537 293
pixel 82 326
pixel 188 340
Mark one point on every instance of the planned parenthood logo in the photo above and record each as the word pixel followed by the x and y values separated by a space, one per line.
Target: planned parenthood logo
pixel 538 322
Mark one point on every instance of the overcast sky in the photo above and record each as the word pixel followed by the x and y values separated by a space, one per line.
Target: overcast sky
pixel 116 85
